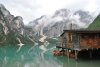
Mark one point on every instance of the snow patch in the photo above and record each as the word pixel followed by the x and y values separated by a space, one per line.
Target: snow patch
pixel 20 44
pixel 43 38
pixel 42 47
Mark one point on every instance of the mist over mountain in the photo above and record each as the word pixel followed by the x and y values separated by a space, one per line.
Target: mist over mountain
pixel 53 26
pixel 13 30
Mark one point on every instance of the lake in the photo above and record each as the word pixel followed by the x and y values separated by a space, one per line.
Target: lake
pixel 39 56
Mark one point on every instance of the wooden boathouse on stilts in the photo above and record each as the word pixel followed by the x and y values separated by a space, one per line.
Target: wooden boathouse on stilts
pixel 80 42
pixel 75 41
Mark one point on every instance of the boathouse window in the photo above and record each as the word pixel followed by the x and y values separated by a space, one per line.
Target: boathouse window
pixel 70 37
pixel 97 36
pixel 84 36
pixel 88 36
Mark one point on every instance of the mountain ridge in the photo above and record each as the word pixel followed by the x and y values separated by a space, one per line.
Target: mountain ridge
pixel 54 25
pixel 11 28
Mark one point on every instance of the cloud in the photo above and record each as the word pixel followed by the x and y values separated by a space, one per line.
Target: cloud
pixel 92 6
pixel 31 9
pixel 25 8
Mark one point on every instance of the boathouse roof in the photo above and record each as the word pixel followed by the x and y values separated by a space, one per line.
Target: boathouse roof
pixel 81 31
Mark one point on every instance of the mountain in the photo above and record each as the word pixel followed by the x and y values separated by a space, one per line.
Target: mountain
pixel 95 25
pixel 84 16
pixel 53 26
pixel 11 28
pixel 38 25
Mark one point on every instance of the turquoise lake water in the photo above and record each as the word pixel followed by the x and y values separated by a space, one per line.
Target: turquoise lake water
pixel 36 56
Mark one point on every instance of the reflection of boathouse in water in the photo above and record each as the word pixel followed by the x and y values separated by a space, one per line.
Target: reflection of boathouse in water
pixel 81 42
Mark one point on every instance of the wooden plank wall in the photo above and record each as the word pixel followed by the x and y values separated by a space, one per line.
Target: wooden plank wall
pixel 76 41
pixel 90 43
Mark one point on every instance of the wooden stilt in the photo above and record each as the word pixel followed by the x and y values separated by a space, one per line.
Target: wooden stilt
pixel 68 53
pixel 68 57
pixel 90 54
pixel 76 55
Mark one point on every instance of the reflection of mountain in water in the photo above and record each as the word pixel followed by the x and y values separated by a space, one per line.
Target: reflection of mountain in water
pixel 35 56
pixel 28 56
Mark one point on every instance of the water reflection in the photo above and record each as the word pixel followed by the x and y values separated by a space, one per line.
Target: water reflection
pixel 33 56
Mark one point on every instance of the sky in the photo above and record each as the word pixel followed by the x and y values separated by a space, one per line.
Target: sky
pixel 32 9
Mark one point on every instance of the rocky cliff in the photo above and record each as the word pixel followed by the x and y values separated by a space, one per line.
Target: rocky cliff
pixel 11 28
